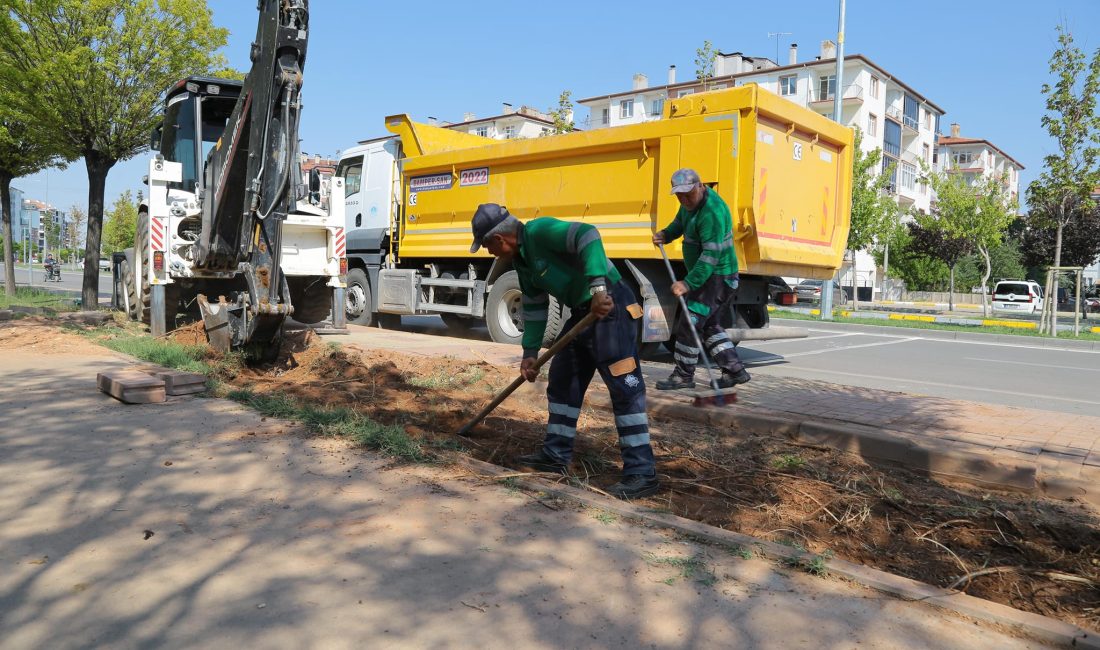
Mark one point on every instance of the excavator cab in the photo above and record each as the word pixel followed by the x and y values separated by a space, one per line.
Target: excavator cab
pixel 195 115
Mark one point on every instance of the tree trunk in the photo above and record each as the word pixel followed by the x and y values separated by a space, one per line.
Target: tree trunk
pixel 951 291
pixel 985 279
pixel 9 254
pixel 855 291
pixel 98 165
pixel 1052 298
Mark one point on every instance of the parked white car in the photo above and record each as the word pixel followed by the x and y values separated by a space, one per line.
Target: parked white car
pixel 1018 296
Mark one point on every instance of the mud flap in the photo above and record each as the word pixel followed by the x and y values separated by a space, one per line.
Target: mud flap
pixel 215 319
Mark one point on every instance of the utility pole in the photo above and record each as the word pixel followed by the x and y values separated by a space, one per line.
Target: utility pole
pixel 838 95
pixel 777 35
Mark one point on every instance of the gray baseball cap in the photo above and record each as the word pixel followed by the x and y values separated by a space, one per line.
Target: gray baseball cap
pixel 684 180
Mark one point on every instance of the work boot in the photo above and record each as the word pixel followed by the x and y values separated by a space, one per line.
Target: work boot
pixel 542 462
pixel 729 381
pixel 635 486
pixel 674 382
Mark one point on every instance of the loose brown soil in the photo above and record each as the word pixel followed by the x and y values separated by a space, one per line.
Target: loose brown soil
pixel 1037 555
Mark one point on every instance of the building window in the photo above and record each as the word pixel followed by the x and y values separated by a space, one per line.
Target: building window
pixel 718 87
pixel 605 117
pixel 626 109
pixel 874 86
pixel 890 167
pixel 908 176
pixel 546 131
pixel 826 88
pixel 509 132
pixel 910 112
pixel 483 131
pixel 960 158
pixel 927 157
pixel 872 125
pixel 891 138
pixel 685 93
pixel 928 120
pixel 657 107
pixel 788 85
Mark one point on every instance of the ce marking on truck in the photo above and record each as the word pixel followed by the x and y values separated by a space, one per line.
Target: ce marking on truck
pixel 798 151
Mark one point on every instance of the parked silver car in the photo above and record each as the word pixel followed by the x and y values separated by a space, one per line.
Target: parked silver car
pixel 810 291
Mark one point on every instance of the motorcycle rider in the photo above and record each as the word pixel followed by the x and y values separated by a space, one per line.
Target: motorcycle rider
pixel 51 267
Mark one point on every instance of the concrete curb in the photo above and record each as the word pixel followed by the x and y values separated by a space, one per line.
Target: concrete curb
pixel 1039 627
pixel 1048 472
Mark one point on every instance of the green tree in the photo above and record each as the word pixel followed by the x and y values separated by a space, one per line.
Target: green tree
pixel 23 151
pixel 704 63
pixel 1062 191
pixel 875 216
pixel 119 224
pixel 92 73
pixel 563 114
pixel 976 210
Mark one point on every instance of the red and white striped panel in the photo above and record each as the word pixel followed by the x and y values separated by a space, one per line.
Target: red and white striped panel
pixel 340 244
pixel 158 234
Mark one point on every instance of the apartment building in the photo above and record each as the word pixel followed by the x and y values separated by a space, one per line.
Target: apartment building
pixel 893 117
pixel 526 122
pixel 977 158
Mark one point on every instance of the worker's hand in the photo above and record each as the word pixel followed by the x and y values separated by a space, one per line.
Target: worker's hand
pixel 680 288
pixel 658 237
pixel 528 370
pixel 602 304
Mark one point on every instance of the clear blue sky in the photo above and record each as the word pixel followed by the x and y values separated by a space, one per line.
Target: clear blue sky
pixel 982 61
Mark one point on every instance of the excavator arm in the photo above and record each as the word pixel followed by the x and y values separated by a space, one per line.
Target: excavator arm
pixel 252 180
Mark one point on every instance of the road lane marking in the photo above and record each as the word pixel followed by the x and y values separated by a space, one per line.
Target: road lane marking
pixel 1038 365
pixel 850 347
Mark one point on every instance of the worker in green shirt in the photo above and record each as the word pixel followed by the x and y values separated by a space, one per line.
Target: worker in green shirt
pixel 566 260
pixel 710 285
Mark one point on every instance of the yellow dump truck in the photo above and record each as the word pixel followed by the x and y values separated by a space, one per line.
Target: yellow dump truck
pixel 784 170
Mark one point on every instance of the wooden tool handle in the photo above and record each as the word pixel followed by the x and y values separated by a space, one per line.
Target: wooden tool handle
pixel 562 341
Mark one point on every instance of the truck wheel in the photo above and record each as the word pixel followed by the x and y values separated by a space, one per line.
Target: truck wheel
pixel 755 316
pixel 504 313
pixel 311 298
pixel 504 310
pixel 129 288
pixel 357 298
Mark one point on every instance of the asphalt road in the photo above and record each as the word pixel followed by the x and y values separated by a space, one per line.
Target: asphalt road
pixel 1016 373
pixel 70 280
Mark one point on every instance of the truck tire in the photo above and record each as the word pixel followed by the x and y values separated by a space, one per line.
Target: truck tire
pixel 311 298
pixel 456 323
pixel 171 291
pixel 357 299
pixel 754 316
pixel 129 286
pixel 504 313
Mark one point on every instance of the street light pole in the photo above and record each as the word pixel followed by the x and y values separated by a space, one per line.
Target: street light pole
pixel 838 97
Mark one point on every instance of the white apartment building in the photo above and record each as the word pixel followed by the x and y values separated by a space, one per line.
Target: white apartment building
pixel 526 122
pixel 976 158
pixel 894 117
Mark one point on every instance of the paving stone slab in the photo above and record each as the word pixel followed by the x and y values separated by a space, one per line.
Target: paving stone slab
pixel 132 386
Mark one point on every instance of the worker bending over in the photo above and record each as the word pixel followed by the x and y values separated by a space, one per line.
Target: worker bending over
pixel 566 260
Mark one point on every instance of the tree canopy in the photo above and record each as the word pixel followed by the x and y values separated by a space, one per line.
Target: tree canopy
pixel 92 73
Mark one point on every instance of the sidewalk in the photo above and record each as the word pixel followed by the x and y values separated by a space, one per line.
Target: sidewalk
pixel 1003 447
pixel 197 523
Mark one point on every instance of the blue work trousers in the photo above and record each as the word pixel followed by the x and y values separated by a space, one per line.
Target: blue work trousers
pixel 610 347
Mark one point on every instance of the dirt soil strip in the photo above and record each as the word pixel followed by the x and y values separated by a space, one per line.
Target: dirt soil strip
pixel 1036 555
pixel 1040 627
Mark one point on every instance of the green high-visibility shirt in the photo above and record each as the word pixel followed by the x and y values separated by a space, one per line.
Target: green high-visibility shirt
pixel 708 239
pixel 557 258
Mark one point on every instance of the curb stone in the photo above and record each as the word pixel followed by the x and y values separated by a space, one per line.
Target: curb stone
pixel 1034 625
pixel 1047 473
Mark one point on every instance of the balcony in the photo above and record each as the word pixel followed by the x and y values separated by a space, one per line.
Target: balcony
pixel 853 96
pixel 909 126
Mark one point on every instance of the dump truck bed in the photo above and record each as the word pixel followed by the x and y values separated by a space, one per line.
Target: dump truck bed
pixel 784 170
